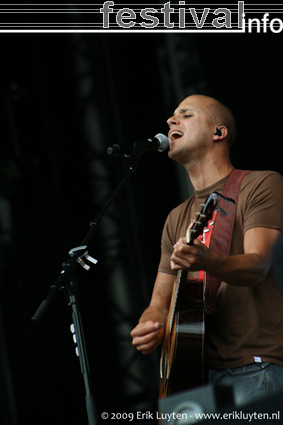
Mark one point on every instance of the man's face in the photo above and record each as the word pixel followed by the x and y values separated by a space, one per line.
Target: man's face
pixel 191 127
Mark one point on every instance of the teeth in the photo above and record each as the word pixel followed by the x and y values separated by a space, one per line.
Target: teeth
pixel 175 135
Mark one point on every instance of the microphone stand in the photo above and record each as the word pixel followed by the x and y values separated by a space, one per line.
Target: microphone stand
pixel 78 255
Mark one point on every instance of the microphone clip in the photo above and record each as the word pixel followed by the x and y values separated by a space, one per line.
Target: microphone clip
pixel 80 252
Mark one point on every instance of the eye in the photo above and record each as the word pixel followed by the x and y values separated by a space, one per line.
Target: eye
pixel 187 116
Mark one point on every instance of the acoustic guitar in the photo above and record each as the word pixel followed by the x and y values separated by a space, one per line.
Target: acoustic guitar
pixel 182 356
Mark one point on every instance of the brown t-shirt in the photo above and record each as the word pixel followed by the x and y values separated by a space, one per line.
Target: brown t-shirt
pixel 247 324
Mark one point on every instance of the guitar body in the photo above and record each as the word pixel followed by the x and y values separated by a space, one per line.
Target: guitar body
pixel 182 358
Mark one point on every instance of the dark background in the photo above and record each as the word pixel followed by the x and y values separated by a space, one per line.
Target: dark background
pixel 64 98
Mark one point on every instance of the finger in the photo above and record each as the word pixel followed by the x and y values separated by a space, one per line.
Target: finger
pixel 145 328
pixel 146 349
pixel 180 241
pixel 183 250
pixel 181 261
pixel 145 339
pixel 175 266
pixel 147 346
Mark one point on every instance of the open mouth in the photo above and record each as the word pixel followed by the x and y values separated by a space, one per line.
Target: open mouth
pixel 175 135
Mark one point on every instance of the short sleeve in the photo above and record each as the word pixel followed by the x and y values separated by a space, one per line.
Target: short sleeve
pixel 167 242
pixel 263 195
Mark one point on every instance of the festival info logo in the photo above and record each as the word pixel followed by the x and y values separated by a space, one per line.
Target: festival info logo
pixel 170 16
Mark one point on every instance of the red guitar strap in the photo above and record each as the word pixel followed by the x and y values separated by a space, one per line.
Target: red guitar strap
pixel 222 232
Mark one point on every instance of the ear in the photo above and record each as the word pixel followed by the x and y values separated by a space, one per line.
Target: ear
pixel 220 133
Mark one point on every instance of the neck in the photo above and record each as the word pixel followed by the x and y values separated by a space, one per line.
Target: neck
pixel 206 174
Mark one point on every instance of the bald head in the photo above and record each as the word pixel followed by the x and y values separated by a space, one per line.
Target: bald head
pixel 219 113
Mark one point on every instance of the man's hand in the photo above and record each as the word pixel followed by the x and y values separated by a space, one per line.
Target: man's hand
pixel 189 257
pixel 147 336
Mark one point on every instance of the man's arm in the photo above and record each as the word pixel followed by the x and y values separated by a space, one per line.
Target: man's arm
pixel 148 334
pixel 248 269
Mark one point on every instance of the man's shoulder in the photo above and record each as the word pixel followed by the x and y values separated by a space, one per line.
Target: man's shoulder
pixel 257 177
pixel 262 187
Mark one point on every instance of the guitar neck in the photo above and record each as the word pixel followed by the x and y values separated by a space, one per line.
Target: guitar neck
pixel 180 279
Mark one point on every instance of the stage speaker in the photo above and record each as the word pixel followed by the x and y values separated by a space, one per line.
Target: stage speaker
pixel 188 406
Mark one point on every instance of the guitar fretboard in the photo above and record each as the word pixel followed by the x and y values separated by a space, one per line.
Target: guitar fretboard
pixel 180 277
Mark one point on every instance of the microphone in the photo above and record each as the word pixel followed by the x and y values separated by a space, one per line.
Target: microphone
pixel 160 143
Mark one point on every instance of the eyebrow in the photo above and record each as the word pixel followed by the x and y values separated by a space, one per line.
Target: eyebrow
pixel 182 110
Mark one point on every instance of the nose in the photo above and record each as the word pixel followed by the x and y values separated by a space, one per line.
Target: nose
pixel 173 121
